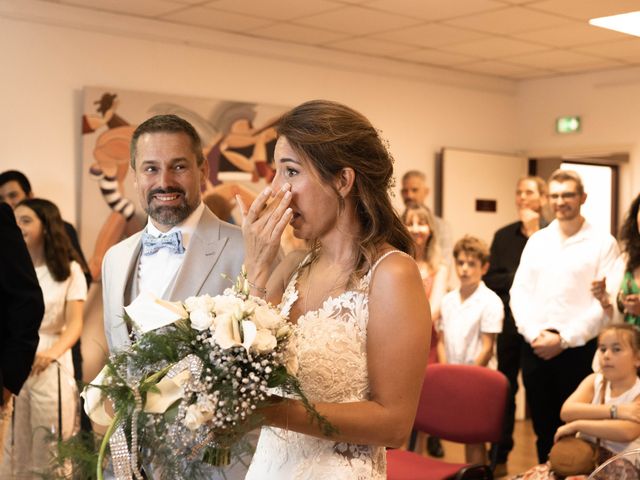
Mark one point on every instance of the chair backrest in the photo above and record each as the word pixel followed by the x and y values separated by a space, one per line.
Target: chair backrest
pixel 462 403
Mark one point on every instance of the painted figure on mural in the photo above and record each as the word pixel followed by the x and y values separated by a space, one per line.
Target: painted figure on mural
pixel 110 168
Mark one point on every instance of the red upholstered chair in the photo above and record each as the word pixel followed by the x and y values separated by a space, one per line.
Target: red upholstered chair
pixel 459 403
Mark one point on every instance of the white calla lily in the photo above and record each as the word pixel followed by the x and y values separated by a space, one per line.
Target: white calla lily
pixel 249 333
pixel 228 332
pixel 94 400
pixel 169 390
pixel 149 312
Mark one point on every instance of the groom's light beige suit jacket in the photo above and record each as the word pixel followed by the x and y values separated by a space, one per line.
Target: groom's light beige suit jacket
pixel 215 248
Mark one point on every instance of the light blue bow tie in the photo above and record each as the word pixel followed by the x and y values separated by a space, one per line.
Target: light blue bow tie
pixel 172 241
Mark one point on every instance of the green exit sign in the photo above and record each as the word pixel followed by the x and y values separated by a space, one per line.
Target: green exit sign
pixel 568 124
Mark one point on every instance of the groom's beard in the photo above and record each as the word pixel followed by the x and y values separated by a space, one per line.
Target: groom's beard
pixel 169 215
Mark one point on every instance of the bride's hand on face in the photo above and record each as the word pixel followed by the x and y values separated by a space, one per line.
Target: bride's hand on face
pixel 262 226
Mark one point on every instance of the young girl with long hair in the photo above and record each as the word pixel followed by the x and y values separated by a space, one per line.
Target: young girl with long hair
pixel 615 421
pixel 48 401
pixel 433 270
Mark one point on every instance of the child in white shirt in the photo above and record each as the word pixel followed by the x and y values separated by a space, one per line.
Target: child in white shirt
pixel 471 317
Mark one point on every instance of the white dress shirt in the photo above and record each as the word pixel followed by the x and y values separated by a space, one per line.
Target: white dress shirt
pixel 552 286
pixel 155 272
pixel 464 322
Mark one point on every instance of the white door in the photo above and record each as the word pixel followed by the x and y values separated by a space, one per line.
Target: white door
pixel 478 191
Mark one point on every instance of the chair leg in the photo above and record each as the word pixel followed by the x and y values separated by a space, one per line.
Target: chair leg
pixel 475 472
pixel 412 440
pixel 493 457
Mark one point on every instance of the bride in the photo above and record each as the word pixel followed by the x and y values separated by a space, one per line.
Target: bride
pixel 356 299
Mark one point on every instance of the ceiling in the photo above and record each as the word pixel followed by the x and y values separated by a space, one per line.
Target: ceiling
pixel 512 39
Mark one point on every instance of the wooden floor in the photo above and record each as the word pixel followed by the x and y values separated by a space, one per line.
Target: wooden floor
pixel 522 457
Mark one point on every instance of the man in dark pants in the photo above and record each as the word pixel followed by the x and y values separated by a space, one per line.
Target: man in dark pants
pixel 15 187
pixel 553 306
pixel 506 249
pixel 21 311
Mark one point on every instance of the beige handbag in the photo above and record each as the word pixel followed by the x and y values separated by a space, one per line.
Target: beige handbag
pixel 573 455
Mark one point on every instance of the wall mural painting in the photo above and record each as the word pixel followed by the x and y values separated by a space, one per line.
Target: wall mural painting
pixel 238 140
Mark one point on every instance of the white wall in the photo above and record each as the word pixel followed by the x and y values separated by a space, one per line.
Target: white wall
pixel 609 103
pixel 45 65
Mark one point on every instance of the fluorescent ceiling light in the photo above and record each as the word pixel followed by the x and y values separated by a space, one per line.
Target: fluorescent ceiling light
pixel 625 22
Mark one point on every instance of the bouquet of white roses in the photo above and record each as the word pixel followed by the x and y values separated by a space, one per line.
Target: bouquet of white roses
pixel 188 389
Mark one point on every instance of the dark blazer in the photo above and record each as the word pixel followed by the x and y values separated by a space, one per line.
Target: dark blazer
pixel 21 305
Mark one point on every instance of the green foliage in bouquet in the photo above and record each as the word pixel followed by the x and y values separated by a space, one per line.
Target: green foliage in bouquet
pixel 74 458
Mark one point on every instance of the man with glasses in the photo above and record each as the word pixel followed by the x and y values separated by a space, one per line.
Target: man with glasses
pixel 553 307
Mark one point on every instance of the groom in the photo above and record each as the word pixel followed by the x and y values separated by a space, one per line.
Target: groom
pixel 184 249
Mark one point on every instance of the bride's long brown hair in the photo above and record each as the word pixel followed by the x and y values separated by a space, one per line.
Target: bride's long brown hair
pixel 332 136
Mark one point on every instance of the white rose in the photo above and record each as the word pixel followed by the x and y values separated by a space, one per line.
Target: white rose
pixel 193 419
pixel 264 341
pixel 190 303
pixel 201 319
pixel 266 317
pixel 202 302
pixel 226 304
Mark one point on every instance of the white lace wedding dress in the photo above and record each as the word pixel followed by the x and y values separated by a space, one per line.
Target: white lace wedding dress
pixel 331 348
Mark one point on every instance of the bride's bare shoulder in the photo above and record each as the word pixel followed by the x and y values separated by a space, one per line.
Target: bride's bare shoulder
pixel 394 261
pixel 393 269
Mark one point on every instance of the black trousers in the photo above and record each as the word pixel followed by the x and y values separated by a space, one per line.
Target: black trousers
pixel 509 348
pixel 548 383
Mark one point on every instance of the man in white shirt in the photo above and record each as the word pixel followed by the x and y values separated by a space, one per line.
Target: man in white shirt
pixel 553 307
pixel 184 249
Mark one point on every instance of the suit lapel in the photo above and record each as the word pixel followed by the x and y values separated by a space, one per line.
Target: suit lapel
pixel 124 269
pixel 201 256
pixel 122 275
